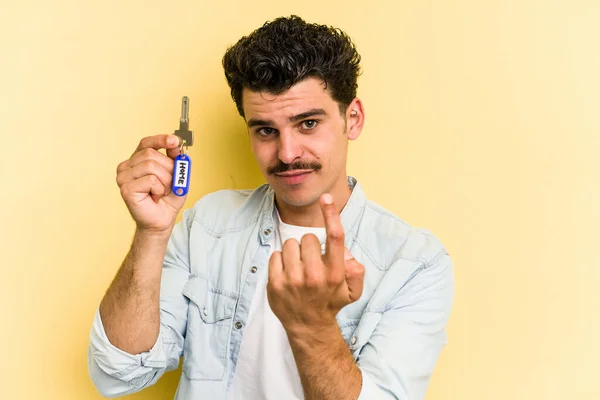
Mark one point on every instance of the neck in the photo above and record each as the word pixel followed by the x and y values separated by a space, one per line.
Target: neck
pixel 311 215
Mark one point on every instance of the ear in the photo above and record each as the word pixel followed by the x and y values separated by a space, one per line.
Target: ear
pixel 355 119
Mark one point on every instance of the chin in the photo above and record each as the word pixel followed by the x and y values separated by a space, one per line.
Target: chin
pixel 296 198
pixel 297 202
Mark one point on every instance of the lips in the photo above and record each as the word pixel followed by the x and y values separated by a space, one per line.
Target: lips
pixel 295 172
pixel 294 177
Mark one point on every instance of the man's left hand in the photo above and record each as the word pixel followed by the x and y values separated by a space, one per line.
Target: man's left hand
pixel 306 289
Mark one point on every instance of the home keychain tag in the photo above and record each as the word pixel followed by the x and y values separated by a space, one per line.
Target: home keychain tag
pixel 183 162
pixel 181 172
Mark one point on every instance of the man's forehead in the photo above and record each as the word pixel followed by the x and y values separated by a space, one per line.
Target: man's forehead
pixel 308 94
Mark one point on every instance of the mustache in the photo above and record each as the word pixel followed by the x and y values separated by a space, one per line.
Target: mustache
pixel 301 164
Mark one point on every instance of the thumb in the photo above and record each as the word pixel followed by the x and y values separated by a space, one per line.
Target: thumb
pixel 173 146
pixel 355 276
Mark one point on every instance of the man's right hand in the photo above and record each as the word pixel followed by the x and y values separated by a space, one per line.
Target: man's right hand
pixel 145 182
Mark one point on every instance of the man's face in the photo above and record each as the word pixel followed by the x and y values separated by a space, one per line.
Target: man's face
pixel 299 140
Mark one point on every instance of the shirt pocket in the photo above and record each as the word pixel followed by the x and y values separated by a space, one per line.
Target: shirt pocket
pixel 209 323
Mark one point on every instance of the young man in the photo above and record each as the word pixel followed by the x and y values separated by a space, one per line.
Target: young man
pixel 301 288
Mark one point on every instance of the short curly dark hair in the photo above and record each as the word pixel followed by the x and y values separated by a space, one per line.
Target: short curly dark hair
pixel 288 50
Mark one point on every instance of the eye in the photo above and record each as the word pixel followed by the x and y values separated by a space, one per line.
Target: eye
pixel 309 124
pixel 266 131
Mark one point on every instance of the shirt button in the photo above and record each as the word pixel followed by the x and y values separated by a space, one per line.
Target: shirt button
pixel 238 325
pixel 253 270
pixel 267 232
pixel 205 311
pixel 353 340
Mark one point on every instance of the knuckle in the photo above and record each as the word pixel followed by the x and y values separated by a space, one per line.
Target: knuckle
pixel 309 238
pixel 355 271
pixel 274 285
pixel 151 166
pixel 336 235
pixel 122 166
pixel 153 179
pixel 314 280
pixel 290 244
pixel 143 143
pixel 360 269
pixel 148 140
pixel 274 262
pixel 275 257
pixel 148 152
pixel 295 281
pixel 334 279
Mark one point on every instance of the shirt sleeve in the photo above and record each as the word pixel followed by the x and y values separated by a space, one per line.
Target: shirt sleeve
pixel 116 372
pixel 398 360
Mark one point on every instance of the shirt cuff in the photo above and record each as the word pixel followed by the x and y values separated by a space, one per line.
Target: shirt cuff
pixel 118 363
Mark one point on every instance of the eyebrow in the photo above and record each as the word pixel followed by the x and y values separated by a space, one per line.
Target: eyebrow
pixel 310 113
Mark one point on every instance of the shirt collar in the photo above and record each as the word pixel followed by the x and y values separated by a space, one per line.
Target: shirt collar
pixel 351 213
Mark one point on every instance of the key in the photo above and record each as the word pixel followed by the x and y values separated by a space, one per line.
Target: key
pixel 184 124
pixel 183 163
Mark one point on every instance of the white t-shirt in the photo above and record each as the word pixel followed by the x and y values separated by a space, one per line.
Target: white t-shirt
pixel 266 369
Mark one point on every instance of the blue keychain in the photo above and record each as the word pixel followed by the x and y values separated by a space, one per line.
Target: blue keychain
pixel 183 162
pixel 181 174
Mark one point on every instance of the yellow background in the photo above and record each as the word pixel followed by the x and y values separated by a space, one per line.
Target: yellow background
pixel 482 125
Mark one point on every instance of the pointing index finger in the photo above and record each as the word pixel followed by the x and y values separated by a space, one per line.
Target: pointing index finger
pixel 335 248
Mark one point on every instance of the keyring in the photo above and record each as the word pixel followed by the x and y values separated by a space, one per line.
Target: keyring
pixel 182 145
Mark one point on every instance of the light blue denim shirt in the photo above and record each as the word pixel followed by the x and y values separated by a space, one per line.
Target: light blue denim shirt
pixel 214 259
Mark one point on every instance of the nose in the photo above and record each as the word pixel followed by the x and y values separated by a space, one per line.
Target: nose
pixel 290 147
